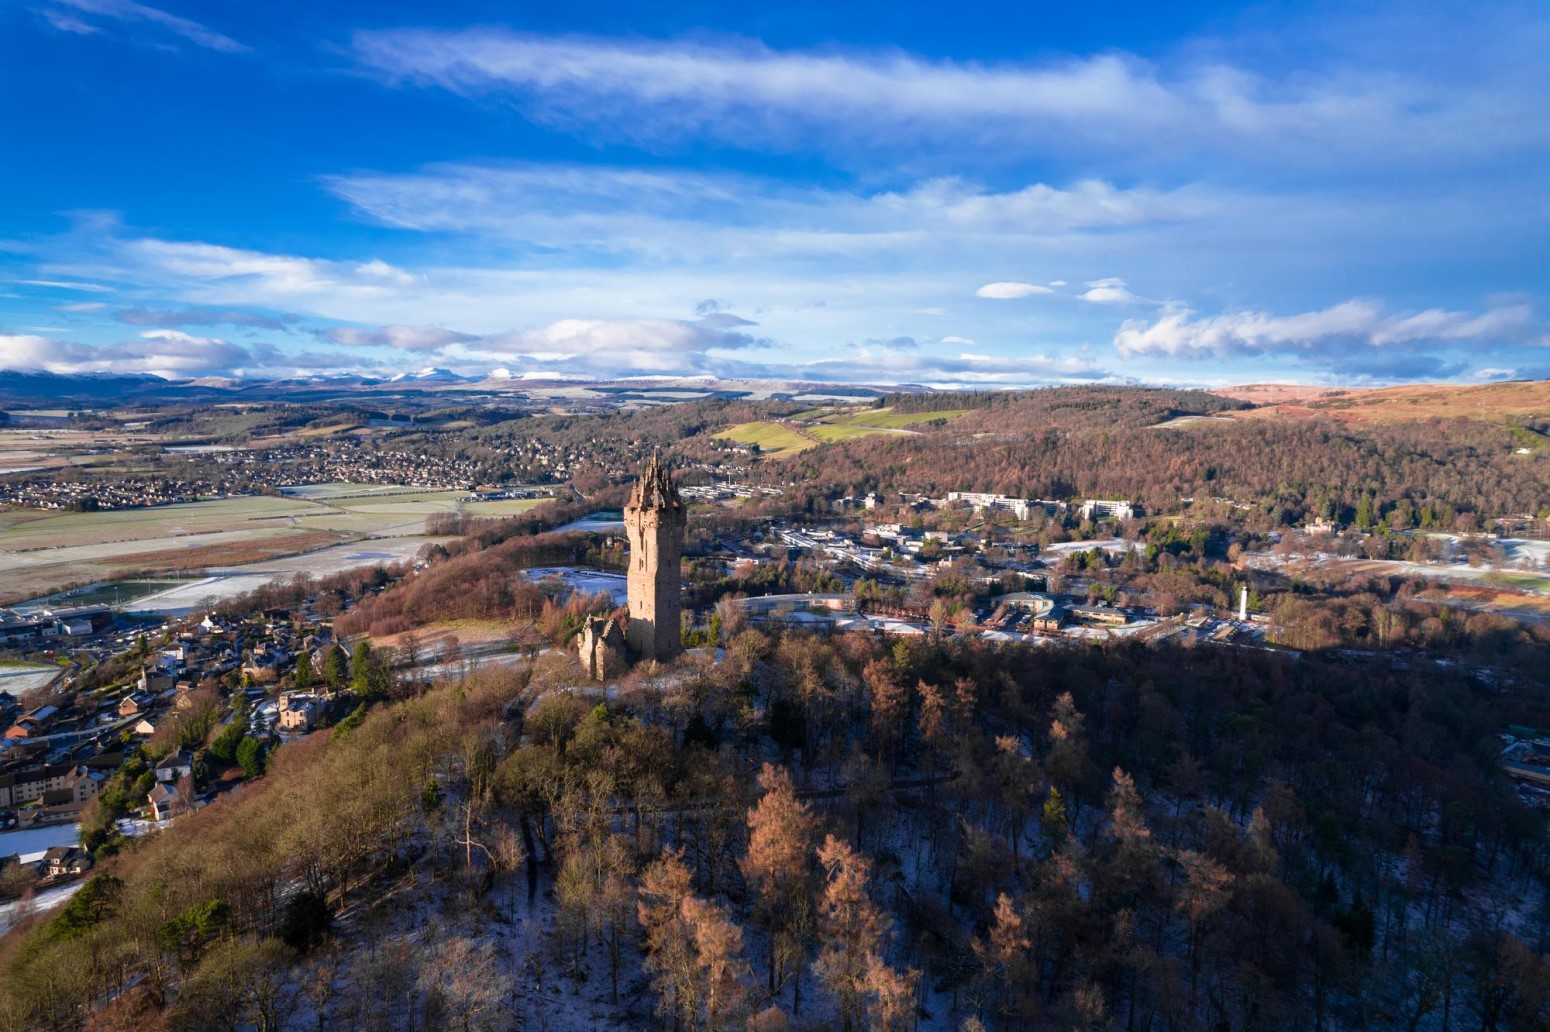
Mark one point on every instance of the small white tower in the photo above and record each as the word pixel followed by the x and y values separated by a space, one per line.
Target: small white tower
pixel 1243 604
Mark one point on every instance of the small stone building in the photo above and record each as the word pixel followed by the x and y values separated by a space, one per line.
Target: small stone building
pixel 602 651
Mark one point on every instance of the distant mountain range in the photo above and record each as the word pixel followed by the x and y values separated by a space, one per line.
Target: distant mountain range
pixel 22 389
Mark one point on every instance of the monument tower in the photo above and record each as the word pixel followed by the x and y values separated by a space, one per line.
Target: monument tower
pixel 654 520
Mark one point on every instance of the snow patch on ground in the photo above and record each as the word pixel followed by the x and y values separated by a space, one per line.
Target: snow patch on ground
pixel 586 581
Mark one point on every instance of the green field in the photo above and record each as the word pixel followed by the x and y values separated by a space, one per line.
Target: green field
pixel 1519 581
pixel 780 441
pixel 774 441
pixel 502 506
pixel 839 431
pixel 888 419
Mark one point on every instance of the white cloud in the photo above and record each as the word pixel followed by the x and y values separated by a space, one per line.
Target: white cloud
pixel 409 338
pixel 1110 290
pixel 66 22
pixel 230 273
pixel 687 214
pixel 755 96
pixel 90 288
pixel 129 11
pixel 881 364
pixel 167 353
pixel 612 345
pixel 1010 291
pixel 1180 333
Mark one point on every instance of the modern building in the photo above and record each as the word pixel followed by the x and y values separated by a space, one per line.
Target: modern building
pixel 1094 509
pixel 1021 508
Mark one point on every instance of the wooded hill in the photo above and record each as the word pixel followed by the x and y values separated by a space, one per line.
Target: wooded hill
pixel 947 835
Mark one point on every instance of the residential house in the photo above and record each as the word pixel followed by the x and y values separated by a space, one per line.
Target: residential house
pixel 66 861
pixel 135 703
pixel 176 765
pixel 298 711
pixel 33 723
pixel 81 785
pixel 167 802
pixel 153 684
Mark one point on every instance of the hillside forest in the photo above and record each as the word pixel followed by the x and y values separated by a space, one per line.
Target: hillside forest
pixel 842 833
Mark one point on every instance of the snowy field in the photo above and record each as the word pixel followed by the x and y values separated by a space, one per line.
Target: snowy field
pixel 42 903
pixel 324 492
pixel 21 679
pixel 31 843
pixel 1524 550
pixel 1115 545
pixel 597 523
pixel 229 582
pixel 588 582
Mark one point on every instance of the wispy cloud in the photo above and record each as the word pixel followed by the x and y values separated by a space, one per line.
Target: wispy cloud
pixel 90 288
pixel 1182 333
pixel 754 96
pixel 65 15
pixel 407 338
pixel 201 317
pixel 884 364
pixel 582 210
pixel 1010 291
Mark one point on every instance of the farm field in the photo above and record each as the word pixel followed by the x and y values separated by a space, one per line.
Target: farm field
pixel 42 553
pixel 839 431
pixel 230 581
pixel 1185 422
pixel 888 419
pixel 501 506
pixel 774 440
pixel 811 427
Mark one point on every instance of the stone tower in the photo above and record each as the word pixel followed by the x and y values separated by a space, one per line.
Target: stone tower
pixel 654 520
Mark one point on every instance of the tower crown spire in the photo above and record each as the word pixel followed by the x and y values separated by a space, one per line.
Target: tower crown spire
pixel 655 488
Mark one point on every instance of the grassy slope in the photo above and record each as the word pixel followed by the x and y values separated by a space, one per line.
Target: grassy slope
pixel 888 419
pixel 1493 402
pixel 774 440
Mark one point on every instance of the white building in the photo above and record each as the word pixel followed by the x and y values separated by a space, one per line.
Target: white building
pixel 1098 509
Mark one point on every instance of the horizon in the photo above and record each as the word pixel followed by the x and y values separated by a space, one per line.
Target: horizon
pixel 1223 195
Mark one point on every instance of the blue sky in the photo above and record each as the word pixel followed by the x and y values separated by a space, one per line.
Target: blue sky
pixel 885 192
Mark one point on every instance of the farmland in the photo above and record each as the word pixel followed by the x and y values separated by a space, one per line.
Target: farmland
pixel 888 419
pixel 808 429
pixel 775 440
pixel 42 553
